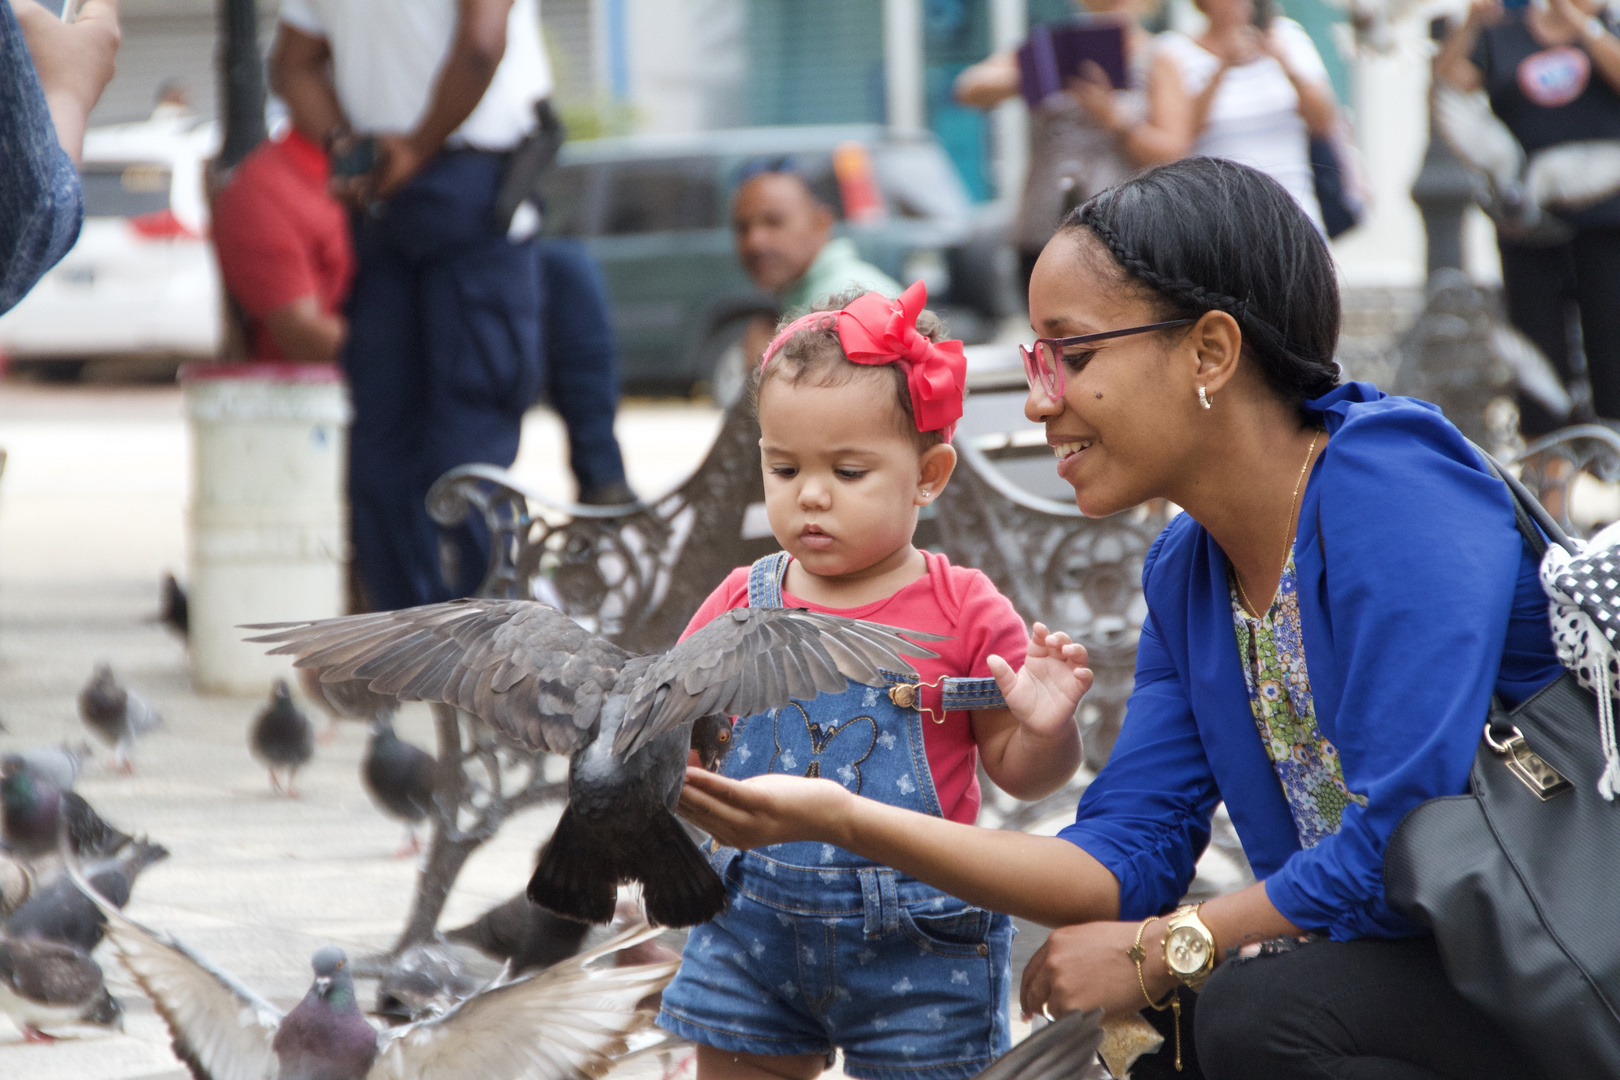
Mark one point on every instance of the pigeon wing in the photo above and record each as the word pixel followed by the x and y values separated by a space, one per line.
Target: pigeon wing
pixel 749 660
pixel 521 666
pixel 1476 136
pixel 1065 1049
pixel 221 1029
pixel 569 1022
pixel 51 973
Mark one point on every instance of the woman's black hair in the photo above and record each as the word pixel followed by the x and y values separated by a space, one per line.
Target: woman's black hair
pixel 1204 234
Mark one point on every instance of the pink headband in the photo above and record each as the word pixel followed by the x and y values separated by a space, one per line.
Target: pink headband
pixel 876 330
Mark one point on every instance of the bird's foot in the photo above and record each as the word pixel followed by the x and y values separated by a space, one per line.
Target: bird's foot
pixel 411 848
pixel 34 1035
pixel 672 1071
pixel 275 783
pixel 122 768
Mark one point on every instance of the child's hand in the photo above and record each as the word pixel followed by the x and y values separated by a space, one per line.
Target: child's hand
pixel 1044 695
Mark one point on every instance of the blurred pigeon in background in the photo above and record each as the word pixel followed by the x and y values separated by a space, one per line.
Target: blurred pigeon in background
pixel 399 778
pixel 524 933
pixel 49 984
pixel 34 810
pixel 116 716
pixel 61 765
pixel 282 738
pixel 350 699
pixel 425 981
pixel 1519 188
pixel 540 679
pixel 62 912
pixel 174 611
pixel 1065 1049
pixel 564 1024
pixel 16 884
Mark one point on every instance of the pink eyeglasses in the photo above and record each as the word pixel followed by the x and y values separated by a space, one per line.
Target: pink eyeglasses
pixel 1043 365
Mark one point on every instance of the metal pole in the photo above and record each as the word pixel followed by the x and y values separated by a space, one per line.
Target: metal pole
pixel 241 81
pixel 903 64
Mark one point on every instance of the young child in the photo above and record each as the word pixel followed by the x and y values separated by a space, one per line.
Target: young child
pixel 820 948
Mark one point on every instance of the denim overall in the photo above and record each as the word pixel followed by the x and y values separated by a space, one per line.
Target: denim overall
pixel 821 948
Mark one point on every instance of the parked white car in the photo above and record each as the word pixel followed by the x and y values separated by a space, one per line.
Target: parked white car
pixel 142 279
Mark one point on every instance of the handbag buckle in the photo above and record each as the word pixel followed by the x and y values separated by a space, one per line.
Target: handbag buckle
pixel 1544 781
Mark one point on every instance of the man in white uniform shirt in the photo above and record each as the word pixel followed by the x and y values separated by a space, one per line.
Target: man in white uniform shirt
pixel 420 102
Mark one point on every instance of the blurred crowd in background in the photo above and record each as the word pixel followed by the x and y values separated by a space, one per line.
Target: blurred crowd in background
pixel 398 205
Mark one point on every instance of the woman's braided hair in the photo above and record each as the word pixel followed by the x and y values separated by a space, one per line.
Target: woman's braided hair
pixel 1205 234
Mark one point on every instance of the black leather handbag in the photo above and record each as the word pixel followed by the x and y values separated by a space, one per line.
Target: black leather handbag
pixel 1520 878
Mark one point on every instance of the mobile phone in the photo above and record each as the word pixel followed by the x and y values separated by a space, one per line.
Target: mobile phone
pixel 1264 12
pixel 360 159
pixel 68 9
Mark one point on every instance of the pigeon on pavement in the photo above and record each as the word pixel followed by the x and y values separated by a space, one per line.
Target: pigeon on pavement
pixel 564 1024
pixel 425 981
pixel 61 765
pixel 175 609
pixel 541 680
pixel 61 912
pixel 524 933
pixel 282 738
pixel 49 984
pixel 350 700
pixel 399 778
pixel 116 716
pixel 1065 1049
pixel 33 810
pixel 16 884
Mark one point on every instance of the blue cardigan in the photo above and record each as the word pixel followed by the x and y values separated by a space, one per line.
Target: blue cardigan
pixel 1418 599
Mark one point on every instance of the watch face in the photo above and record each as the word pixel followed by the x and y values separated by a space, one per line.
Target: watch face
pixel 1186 951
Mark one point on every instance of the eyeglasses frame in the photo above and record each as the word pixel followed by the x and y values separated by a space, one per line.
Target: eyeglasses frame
pixel 1036 373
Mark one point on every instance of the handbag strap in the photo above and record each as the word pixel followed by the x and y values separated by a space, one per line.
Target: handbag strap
pixel 1529 513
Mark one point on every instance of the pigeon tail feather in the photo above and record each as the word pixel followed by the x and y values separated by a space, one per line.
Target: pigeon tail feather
pixel 679 886
pixel 573 877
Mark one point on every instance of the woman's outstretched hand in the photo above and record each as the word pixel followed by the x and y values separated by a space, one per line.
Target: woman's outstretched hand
pixel 764 810
pixel 1089 966
pixel 1047 690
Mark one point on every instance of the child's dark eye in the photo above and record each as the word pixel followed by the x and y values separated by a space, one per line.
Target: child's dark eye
pixel 1074 361
pixel 850 474
pixel 786 472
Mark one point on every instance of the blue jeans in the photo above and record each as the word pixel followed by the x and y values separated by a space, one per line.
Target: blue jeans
pixel 443 358
pixel 911 984
pixel 41 203
pixel 581 360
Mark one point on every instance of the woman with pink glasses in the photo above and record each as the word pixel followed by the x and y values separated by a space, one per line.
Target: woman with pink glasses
pixel 1327 623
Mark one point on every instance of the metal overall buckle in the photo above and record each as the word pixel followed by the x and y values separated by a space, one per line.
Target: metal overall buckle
pixel 1530 767
pixel 908 695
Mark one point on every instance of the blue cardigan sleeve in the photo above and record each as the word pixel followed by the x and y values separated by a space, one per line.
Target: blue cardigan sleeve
pixel 1146 817
pixel 41 203
pixel 1422 559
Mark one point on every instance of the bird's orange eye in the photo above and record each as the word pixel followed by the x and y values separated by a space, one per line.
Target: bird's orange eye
pixel 723 736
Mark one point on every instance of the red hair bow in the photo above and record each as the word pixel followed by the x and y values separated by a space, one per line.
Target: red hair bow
pixel 876 330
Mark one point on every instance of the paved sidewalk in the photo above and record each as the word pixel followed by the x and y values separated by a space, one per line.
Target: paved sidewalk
pixel 91 513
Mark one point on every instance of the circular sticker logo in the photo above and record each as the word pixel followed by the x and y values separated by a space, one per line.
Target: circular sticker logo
pixel 1554 77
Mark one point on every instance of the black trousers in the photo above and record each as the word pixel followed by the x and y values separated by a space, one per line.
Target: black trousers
pixel 1355 1010
pixel 1540 286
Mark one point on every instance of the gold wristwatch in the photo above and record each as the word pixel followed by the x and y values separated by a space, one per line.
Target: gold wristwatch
pixel 1189 947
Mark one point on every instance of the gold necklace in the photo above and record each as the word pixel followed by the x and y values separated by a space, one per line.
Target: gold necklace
pixel 1288 537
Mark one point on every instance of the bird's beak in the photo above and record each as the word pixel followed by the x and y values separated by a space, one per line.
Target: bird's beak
pixel 323 983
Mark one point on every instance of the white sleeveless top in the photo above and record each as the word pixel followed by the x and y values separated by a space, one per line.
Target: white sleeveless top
pixel 1255 118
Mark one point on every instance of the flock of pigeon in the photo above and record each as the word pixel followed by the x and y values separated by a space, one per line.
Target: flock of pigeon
pixel 566 1001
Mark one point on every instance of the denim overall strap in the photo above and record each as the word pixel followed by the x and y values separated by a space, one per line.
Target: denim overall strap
pixel 861 738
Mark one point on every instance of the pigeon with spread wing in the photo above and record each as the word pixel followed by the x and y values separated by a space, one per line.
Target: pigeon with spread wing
pixel 544 682
pixel 567 1023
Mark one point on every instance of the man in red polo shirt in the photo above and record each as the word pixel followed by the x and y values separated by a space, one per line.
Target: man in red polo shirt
pixel 285 251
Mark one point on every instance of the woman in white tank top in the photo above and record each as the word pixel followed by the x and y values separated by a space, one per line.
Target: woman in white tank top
pixel 1257 95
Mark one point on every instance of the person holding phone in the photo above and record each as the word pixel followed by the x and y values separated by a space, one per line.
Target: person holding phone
pixel 52 73
pixel 1094 134
pixel 418 104
pixel 1552 73
pixel 1259 93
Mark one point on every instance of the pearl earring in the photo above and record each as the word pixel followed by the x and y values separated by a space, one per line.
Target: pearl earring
pixel 1203 398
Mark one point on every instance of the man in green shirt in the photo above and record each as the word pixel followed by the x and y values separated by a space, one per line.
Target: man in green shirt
pixel 784 240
